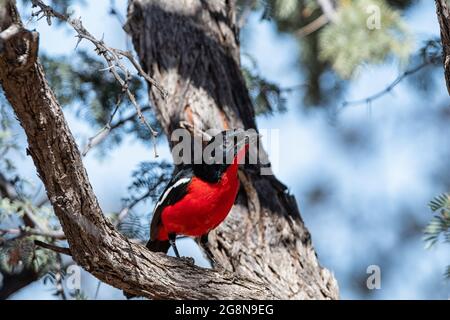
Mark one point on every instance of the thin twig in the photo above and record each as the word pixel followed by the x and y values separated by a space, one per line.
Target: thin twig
pixel 121 122
pixel 104 132
pixel 52 247
pixel 125 211
pixel 391 86
pixel 107 52
pixel 26 232
pixel 97 290
pixel 112 56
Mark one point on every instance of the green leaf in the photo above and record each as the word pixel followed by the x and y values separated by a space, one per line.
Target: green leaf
pixel 354 39
pixel 440 202
pixel 437 226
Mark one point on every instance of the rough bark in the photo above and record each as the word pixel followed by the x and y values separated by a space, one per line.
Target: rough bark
pixel 443 14
pixel 191 47
pixel 94 243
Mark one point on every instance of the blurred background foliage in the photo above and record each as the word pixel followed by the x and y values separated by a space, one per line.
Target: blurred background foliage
pixel 330 58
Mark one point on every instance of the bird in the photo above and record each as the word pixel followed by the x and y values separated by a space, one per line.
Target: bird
pixel 200 195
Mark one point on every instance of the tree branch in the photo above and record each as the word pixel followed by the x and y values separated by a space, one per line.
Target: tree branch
pixel 443 14
pixel 54 248
pixel 392 85
pixel 26 232
pixel 112 57
pixel 94 243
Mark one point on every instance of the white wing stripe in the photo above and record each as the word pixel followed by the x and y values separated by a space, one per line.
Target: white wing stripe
pixel 167 192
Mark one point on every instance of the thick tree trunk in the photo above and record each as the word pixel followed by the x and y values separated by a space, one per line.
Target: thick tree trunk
pixel 191 47
pixel 443 14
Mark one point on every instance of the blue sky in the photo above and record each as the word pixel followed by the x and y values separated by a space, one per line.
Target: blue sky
pixel 373 187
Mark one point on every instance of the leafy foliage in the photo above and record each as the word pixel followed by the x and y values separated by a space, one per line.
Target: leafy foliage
pixel 148 182
pixel 135 226
pixel 15 255
pixel 79 80
pixel 19 254
pixel 79 83
pixel 56 278
pixel 332 53
pixel 8 142
pixel 439 226
pixel 352 41
pixel 267 96
pixel 10 208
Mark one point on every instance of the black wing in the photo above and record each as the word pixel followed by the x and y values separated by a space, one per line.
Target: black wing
pixel 174 192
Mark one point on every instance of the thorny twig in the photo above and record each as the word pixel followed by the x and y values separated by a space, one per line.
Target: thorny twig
pixel 112 56
pixel 391 86
pixel 104 132
pixel 126 210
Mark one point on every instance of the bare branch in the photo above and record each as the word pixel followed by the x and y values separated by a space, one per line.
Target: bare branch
pixel 33 227
pixel 391 86
pixel 104 132
pixel 107 129
pixel 52 247
pixel 112 57
pixel 26 232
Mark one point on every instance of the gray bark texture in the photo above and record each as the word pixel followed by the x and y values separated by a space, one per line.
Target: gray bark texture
pixel 443 14
pixel 191 47
pixel 263 245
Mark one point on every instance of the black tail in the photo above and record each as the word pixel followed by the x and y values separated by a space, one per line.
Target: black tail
pixel 158 246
